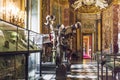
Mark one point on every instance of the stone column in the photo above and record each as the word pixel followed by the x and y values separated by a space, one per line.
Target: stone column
pixel 115 28
pixel 118 29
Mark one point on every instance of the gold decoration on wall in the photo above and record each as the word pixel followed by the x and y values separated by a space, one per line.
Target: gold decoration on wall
pixel 45 12
pixel 88 27
pixel 89 9
pixel 62 2
pixel 13 12
pixel 107 30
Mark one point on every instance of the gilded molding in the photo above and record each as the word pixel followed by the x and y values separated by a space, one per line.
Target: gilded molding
pixel 61 2
pixel 89 9
pixel 90 16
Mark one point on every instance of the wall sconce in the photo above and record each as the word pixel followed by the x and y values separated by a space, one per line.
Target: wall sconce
pixel 3 12
pixel 13 14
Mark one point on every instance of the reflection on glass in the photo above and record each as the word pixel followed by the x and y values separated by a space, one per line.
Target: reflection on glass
pixel 14 38
pixel 34 66
pixel 12 67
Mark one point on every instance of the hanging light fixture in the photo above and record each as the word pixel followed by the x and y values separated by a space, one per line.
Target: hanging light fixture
pixel 12 13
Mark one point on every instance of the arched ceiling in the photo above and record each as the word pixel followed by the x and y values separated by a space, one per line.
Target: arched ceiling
pixel 86 6
pixel 89 6
pixel 72 1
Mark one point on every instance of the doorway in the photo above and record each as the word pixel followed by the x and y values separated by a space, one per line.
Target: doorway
pixel 87 46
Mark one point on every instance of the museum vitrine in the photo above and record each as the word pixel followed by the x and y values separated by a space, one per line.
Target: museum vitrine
pixel 12 67
pixel 20 51
pixel 17 39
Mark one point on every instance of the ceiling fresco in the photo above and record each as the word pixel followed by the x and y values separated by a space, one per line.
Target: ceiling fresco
pixel 72 1
pixel 89 6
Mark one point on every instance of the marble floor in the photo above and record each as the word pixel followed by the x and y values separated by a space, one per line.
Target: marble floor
pixel 83 71
pixel 87 70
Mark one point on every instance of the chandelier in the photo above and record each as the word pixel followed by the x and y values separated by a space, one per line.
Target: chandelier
pixel 13 14
pixel 98 3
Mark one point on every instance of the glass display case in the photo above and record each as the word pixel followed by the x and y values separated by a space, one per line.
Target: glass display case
pixel 34 66
pixel 12 67
pixel 18 39
pixel 20 52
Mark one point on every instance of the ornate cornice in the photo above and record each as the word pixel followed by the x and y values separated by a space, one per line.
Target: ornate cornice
pixel 88 16
pixel 116 1
pixel 89 9
pixel 62 2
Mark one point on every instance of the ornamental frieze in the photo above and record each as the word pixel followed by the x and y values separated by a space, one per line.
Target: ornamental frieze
pixel 88 28
pixel 88 16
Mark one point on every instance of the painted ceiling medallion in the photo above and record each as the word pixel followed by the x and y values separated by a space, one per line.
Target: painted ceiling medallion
pixel 97 3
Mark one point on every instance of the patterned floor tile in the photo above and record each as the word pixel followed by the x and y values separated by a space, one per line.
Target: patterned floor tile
pixel 86 71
